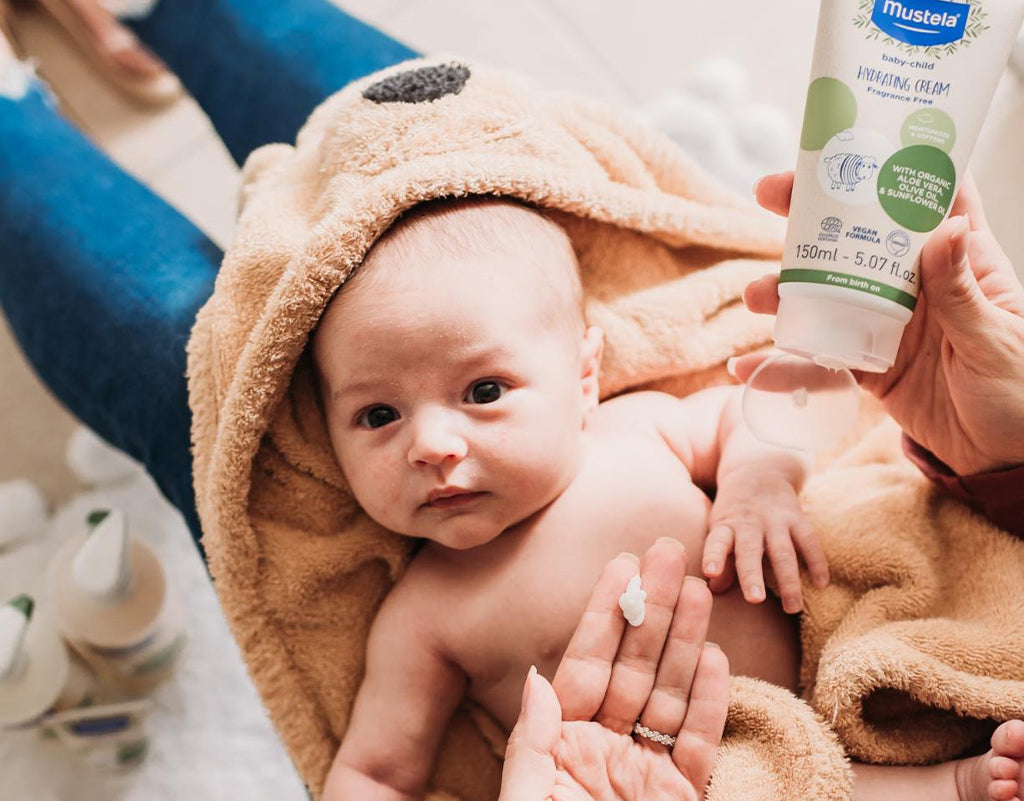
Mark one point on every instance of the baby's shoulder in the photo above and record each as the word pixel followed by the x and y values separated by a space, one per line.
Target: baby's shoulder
pixel 642 409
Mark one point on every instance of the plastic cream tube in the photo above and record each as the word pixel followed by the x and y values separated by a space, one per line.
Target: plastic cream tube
pixel 899 90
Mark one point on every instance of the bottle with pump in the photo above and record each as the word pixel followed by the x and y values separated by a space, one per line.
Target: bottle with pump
pixel 115 607
pixel 37 675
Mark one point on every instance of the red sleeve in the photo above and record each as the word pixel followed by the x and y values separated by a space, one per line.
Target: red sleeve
pixel 999 494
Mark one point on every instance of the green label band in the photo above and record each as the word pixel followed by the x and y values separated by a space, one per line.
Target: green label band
pixel 850 282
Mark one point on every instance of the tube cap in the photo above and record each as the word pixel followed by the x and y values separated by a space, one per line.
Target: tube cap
pixel 793 402
pixel 837 335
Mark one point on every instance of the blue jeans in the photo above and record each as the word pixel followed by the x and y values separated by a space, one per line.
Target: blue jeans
pixel 100 279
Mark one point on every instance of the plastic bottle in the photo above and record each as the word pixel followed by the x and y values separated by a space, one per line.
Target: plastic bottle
pixel 37 675
pixel 898 93
pixel 114 605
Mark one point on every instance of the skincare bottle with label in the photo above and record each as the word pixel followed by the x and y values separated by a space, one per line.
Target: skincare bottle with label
pixel 37 675
pixel 115 607
pixel 898 93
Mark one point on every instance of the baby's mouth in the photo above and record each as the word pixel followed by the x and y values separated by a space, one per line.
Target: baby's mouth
pixel 449 501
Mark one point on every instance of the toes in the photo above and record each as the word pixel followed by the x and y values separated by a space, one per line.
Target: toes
pixel 1008 739
pixel 1002 790
pixel 1001 767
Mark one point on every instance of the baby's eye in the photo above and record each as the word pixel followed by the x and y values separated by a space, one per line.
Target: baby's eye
pixel 486 391
pixel 376 417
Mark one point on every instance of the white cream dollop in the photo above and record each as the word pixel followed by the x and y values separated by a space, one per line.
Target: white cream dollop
pixel 631 602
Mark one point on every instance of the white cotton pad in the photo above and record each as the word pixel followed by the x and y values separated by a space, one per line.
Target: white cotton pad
pixel 720 81
pixel 793 402
pixel 698 125
pixel 631 602
pixel 23 511
pixel 95 462
pixel 766 135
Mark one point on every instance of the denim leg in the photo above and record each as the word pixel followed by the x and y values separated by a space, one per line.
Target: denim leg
pixel 101 280
pixel 259 67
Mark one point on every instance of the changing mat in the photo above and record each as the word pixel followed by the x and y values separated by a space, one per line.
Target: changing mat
pixel 665 253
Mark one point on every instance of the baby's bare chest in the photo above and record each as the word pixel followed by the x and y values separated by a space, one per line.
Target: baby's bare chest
pixel 517 601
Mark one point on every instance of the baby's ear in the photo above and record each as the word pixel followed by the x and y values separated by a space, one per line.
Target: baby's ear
pixel 591 351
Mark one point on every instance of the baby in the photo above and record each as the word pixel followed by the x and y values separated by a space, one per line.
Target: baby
pixel 460 387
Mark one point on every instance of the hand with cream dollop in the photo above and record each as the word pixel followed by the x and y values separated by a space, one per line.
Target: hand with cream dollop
pixel 572 740
pixel 957 386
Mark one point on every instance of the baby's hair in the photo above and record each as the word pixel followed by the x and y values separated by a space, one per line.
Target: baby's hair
pixel 476 225
pixel 481 225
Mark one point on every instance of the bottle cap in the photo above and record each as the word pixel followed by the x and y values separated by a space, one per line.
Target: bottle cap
pixel 837 335
pixel 107 586
pixel 14 618
pixel 792 402
pixel 102 567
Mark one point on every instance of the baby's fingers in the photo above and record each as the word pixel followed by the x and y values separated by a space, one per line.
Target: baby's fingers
pixel 723 581
pixel 717 546
pixel 806 539
pixel 782 555
pixel 749 550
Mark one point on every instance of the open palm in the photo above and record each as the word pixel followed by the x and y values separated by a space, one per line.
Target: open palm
pixel 955 386
pixel 593 763
pixel 573 743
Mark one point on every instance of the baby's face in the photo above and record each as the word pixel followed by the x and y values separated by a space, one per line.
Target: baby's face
pixel 454 401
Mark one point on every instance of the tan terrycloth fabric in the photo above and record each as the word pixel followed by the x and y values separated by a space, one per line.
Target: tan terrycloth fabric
pixel 915 648
pixel 664 253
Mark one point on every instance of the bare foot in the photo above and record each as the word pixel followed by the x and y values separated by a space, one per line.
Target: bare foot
pixel 108 35
pixel 999 774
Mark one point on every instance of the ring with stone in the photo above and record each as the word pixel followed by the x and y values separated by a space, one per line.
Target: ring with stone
pixel 651 734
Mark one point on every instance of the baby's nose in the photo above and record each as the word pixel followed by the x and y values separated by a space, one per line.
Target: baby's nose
pixel 436 440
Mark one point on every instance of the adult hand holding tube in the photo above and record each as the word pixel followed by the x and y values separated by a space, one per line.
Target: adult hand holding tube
pixel 957 386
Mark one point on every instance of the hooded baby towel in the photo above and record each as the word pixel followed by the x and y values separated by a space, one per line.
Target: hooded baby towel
pixel 664 253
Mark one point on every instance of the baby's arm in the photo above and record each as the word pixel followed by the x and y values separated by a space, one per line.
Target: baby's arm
pixel 400 714
pixel 756 506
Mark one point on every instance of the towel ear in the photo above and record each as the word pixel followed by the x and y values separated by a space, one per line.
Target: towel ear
pixel 256 165
pixel 420 85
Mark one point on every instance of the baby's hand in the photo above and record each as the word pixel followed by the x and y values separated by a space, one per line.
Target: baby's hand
pixel 757 511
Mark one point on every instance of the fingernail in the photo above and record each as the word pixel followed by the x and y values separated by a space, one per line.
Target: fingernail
pixel 756 594
pixel 730 365
pixel 632 556
pixel 710 644
pixel 712 568
pixel 701 579
pixel 672 540
pixel 526 686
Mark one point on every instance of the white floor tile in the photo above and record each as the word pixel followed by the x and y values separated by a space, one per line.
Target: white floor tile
pixel 524 35
pixel 203 185
pixel 653 43
pixel 377 12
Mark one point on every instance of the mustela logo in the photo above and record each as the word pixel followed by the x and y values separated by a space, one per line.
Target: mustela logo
pixel 921 22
